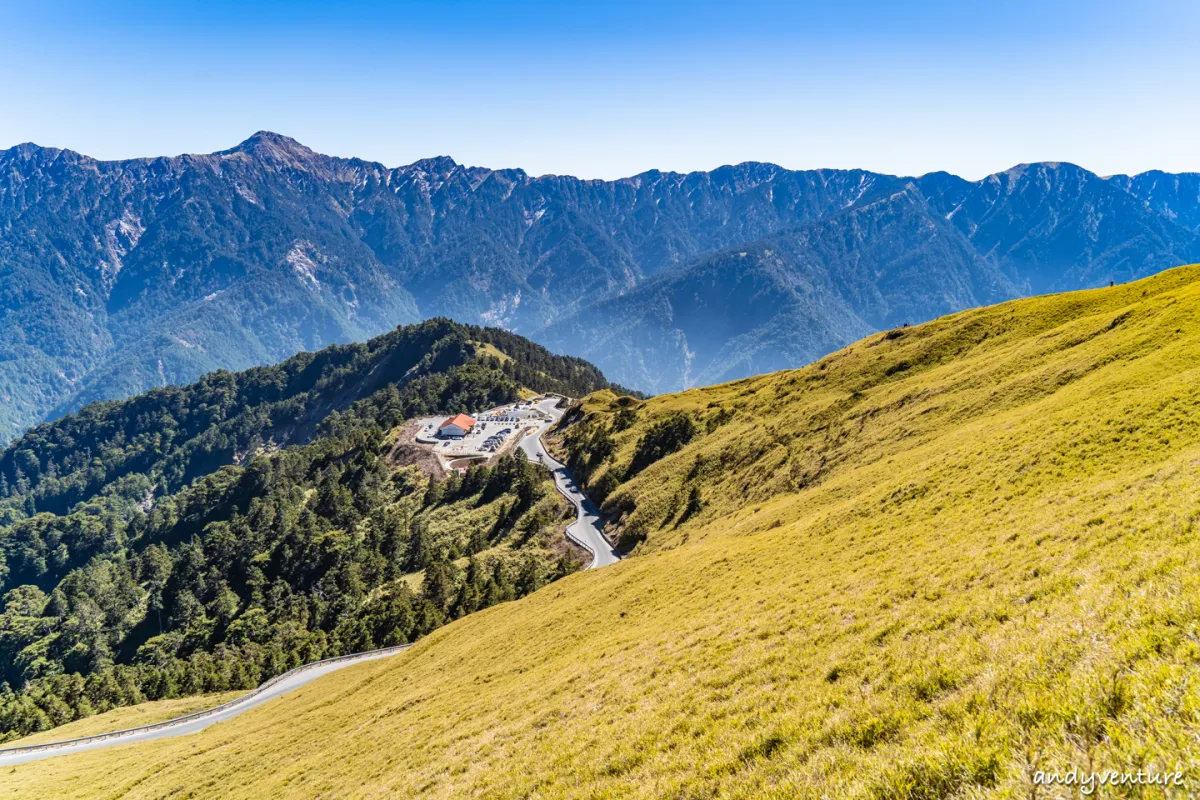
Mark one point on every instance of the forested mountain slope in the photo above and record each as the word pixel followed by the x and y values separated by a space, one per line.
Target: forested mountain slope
pixel 206 537
pixel 116 277
pixel 172 435
pixel 787 299
pixel 120 276
pixel 928 565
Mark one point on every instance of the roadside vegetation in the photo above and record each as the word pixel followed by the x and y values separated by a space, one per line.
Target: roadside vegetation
pixel 119 719
pixel 927 566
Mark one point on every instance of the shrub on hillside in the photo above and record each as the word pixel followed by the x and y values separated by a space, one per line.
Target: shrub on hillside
pixel 663 438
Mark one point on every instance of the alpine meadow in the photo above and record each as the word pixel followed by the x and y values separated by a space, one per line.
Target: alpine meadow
pixel 929 565
pixel 624 400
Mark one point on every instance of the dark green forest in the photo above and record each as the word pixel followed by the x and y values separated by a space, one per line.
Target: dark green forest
pixel 207 537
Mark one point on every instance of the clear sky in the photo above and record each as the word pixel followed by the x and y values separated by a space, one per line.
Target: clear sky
pixel 606 89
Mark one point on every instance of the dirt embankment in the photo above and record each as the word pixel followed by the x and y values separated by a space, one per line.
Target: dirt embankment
pixel 407 452
pixel 562 545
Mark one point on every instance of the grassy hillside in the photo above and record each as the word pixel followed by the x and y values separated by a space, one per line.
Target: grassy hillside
pixel 926 567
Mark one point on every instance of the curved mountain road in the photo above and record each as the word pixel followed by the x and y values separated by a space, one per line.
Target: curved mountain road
pixel 585 531
pixel 193 723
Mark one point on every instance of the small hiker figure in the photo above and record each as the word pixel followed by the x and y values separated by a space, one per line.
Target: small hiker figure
pixel 1111 284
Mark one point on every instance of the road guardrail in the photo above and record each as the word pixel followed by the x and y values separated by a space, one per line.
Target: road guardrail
pixel 250 695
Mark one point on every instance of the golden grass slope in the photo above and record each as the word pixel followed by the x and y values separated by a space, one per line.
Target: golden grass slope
pixel 926 567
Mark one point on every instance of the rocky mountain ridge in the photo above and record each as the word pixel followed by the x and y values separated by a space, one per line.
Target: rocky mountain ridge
pixel 119 276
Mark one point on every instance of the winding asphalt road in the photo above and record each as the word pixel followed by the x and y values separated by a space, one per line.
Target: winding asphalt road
pixel 585 530
pixel 192 723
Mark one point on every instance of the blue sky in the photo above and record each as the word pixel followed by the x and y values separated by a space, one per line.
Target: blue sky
pixel 611 89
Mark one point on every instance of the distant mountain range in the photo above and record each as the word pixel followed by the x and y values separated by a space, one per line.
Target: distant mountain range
pixel 119 276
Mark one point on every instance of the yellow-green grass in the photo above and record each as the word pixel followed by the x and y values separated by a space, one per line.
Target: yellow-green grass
pixel 128 717
pixel 488 349
pixel 926 581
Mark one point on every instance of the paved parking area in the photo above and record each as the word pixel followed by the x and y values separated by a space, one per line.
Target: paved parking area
pixel 494 432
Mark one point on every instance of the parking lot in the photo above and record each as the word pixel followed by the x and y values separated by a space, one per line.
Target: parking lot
pixel 494 431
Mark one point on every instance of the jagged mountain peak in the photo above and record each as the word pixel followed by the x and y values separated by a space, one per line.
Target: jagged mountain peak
pixel 1042 170
pixel 269 145
pixel 30 148
pixel 430 175
pixel 40 154
pixel 200 251
pixel 437 165
pixel 270 138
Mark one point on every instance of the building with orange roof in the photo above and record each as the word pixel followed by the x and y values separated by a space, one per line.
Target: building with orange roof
pixel 458 425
